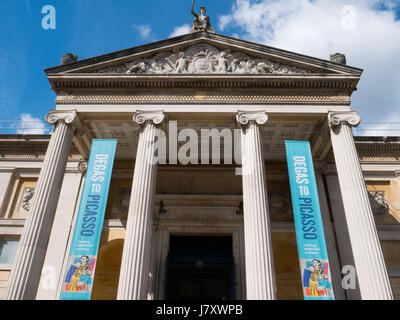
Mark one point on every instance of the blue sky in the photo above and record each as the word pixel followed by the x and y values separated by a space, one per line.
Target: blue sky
pixel 94 27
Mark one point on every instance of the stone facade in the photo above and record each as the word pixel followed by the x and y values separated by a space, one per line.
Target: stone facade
pixel 201 81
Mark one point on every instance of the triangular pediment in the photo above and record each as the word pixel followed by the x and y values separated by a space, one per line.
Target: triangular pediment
pixel 203 53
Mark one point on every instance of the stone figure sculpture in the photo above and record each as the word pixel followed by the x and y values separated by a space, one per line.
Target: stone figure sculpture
pixel 201 21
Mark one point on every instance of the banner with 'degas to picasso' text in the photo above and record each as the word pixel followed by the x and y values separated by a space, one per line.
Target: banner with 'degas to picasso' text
pixel 313 254
pixel 79 275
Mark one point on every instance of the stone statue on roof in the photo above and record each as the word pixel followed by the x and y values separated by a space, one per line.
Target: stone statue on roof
pixel 201 21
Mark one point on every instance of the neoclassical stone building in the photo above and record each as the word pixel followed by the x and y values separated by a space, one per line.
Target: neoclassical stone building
pixel 200 228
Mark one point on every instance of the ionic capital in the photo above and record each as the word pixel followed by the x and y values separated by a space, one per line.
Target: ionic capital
pixel 70 117
pixel 397 174
pixel 244 117
pixel 350 118
pixel 141 117
pixel 82 166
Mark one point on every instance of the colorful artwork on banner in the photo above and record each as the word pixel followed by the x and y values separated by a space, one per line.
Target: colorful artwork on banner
pixel 81 264
pixel 316 278
pixel 313 254
pixel 80 274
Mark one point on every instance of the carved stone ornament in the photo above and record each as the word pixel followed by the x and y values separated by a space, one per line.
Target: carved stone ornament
pixel 69 117
pixel 82 166
pixel 203 58
pixel 336 118
pixel 122 199
pixel 338 58
pixel 379 205
pixel 26 199
pixel 157 117
pixel 244 117
pixel 55 115
pixel 279 202
pixel 397 174
pixel 69 58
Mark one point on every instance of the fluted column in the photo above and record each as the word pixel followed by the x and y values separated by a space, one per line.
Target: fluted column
pixel 135 265
pixel 260 274
pixel 368 257
pixel 25 275
pixel 329 237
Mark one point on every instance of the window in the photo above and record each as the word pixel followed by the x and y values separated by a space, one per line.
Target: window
pixel 8 248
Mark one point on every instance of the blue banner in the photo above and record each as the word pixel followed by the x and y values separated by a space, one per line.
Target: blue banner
pixel 78 279
pixel 313 254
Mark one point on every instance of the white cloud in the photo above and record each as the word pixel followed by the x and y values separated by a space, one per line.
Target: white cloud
pixel 30 125
pixel 178 31
pixel 144 30
pixel 368 37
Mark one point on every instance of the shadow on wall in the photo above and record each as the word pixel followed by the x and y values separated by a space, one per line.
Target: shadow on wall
pixel 105 286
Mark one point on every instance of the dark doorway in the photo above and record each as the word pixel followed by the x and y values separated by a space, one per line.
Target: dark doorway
pixel 200 267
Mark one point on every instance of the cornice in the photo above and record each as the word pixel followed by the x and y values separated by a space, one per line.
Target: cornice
pixel 101 81
pixel 29 151
pixel 222 41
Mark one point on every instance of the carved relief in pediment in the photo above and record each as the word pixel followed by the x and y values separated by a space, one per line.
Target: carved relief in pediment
pixel 203 59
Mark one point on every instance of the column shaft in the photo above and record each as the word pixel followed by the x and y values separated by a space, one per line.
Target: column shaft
pixel 342 232
pixel 368 257
pixel 26 272
pixel 135 265
pixel 330 240
pixel 58 241
pixel 260 274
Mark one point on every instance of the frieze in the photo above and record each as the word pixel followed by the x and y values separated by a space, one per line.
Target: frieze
pixel 203 59
pixel 190 96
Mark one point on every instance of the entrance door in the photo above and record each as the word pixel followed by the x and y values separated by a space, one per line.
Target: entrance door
pixel 200 267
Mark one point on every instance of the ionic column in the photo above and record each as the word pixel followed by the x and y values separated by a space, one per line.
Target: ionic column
pixel 25 275
pixel 329 237
pixel 260 275
pixel 135 265
pixel 368 258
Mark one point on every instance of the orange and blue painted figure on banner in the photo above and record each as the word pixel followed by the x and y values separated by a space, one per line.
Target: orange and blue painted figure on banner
pixel 315 278
pixel 79 275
